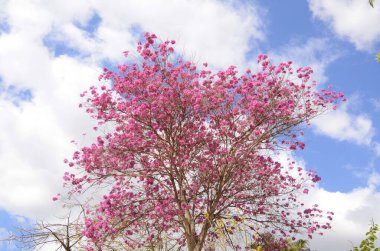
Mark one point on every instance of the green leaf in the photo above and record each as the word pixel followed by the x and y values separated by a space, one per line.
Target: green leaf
pixel 378 57
pixel 371 2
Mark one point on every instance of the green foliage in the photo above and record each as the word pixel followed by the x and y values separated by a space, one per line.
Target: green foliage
pixel 368 244
pixel 270 243
pixel 299 245
pixel 371 2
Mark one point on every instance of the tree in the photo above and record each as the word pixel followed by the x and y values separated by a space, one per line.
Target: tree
pixel 269 242
pixel 300 245
pixel 368 244
pixel 187 154
pixel 371 2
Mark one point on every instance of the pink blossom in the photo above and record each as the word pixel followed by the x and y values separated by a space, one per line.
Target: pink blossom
pixel 183 148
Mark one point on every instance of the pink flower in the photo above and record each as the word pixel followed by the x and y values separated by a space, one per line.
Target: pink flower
pixel 165 121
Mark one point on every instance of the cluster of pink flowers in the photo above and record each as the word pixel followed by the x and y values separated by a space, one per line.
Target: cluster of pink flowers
pixel 191 147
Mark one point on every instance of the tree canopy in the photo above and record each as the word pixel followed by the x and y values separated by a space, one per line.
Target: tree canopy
pixel 188 154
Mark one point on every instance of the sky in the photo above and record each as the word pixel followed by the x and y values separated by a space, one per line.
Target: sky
pixel 52 50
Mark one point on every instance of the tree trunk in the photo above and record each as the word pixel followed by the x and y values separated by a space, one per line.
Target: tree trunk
pixel 190 233
pixel 196 244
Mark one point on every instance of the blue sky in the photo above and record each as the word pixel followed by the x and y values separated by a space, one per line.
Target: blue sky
pixel 355 73
pixel 53 50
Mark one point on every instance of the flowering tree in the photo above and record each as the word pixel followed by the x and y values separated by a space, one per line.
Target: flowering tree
pixel 188 155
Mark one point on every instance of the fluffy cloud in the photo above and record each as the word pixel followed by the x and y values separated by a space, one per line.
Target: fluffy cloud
pixel 205 30
pixel 35 139
pixel 35 135
pixel 197 26
pixel 353 20
pixel 342 125
pixel 353 212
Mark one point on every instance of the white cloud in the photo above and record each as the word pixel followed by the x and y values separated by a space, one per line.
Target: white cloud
pixel 35 136
pixel 342 125
pixel 218 32
pixel 353 212
pixel 35 139
pixel 353 20
pixel 2 12
pixel 205 30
